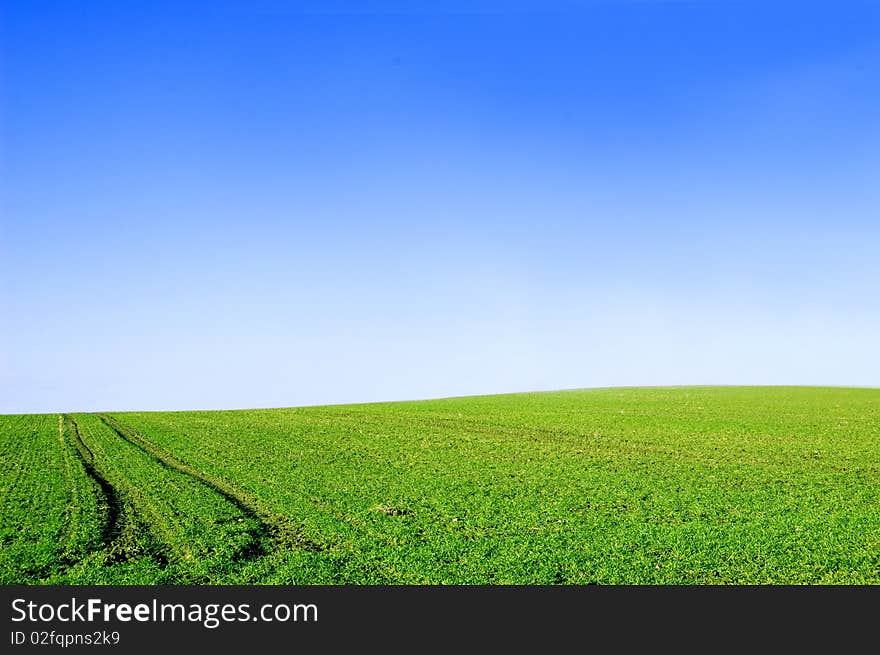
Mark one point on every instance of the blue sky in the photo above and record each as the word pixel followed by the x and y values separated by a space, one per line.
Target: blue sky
pixel 222 205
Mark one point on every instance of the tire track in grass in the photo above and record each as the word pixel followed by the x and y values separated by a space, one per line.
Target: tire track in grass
pixel 79 488
pixel 122 534
pixel 112 504
pixel 279 530
pixel 200 534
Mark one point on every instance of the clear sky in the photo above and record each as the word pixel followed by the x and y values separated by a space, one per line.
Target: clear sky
pixel 224 205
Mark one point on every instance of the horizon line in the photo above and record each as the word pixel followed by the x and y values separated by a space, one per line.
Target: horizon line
pixel 455 397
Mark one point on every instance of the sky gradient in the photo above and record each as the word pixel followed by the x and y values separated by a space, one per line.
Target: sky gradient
pixel 229 205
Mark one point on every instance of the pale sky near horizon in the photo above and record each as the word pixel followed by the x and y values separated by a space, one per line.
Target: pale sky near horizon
pixel 228 205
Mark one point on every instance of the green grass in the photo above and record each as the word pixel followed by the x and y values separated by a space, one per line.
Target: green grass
pixel 654 485
pixel 46 503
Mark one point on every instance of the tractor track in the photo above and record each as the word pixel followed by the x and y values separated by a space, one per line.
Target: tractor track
pixel 278 530
pixel 123 535
pixel 115 519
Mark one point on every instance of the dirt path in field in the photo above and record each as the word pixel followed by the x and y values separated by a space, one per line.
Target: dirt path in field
pixel 279 530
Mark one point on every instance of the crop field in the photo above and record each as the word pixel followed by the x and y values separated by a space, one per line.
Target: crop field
pixel 689 485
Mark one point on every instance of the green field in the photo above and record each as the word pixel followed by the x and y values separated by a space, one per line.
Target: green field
pixel 609 486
